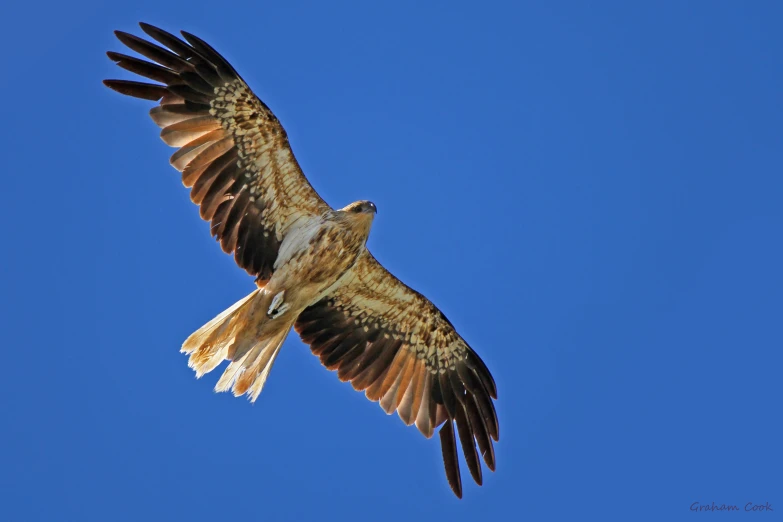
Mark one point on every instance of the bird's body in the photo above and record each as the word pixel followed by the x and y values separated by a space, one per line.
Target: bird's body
pixel 336 235
pixel 300 278
pixel 312 268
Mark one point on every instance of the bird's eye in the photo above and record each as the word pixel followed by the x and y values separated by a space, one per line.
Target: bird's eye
pixel 357 209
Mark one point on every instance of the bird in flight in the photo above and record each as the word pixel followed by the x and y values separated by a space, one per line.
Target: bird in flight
pixel 312 269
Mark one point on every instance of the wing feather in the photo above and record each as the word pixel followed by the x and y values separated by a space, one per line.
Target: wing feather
pixel 449 447
pixel 396 345
pixel 233 153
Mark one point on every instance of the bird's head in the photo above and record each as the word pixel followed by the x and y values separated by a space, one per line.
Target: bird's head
pixel 365 207
pixel 361 213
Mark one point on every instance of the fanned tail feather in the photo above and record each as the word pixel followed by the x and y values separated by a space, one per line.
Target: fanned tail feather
pixel 235 335
pixel 208 345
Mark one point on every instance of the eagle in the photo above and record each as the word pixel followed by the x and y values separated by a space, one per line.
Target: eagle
pixel 312 269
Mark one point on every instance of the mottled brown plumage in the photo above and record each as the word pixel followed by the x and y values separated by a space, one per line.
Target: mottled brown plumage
pixel 312 268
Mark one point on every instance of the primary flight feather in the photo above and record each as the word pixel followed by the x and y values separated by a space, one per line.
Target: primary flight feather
pixel 313 271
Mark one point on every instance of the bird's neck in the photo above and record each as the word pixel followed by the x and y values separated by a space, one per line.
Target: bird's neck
pixel 358 223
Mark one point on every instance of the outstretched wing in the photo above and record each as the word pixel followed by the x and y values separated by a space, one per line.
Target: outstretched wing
pixel 394 343
pixel 233 152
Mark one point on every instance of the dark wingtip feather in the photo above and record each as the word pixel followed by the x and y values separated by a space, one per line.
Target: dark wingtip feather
pixel 192 95
pixel 169 40
pixel 145 91
pixel 466 434
pixel 154 52
pixel 209 52
pixel 447 393
pixel 143 68
pixel 126 38
pixel 448 445
pixel 484 374
pixel 480 431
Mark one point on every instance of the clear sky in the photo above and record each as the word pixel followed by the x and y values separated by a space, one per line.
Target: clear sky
pixel 591 192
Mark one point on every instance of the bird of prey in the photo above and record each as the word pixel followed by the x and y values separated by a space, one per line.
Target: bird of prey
pixel 312 269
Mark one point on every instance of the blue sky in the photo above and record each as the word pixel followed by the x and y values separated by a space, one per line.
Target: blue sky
pixel 591 192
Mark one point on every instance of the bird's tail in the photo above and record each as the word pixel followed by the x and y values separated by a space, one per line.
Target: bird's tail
pixel 244 335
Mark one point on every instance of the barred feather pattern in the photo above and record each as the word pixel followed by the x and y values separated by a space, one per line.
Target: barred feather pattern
pixel 392 343
pixel 233 153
